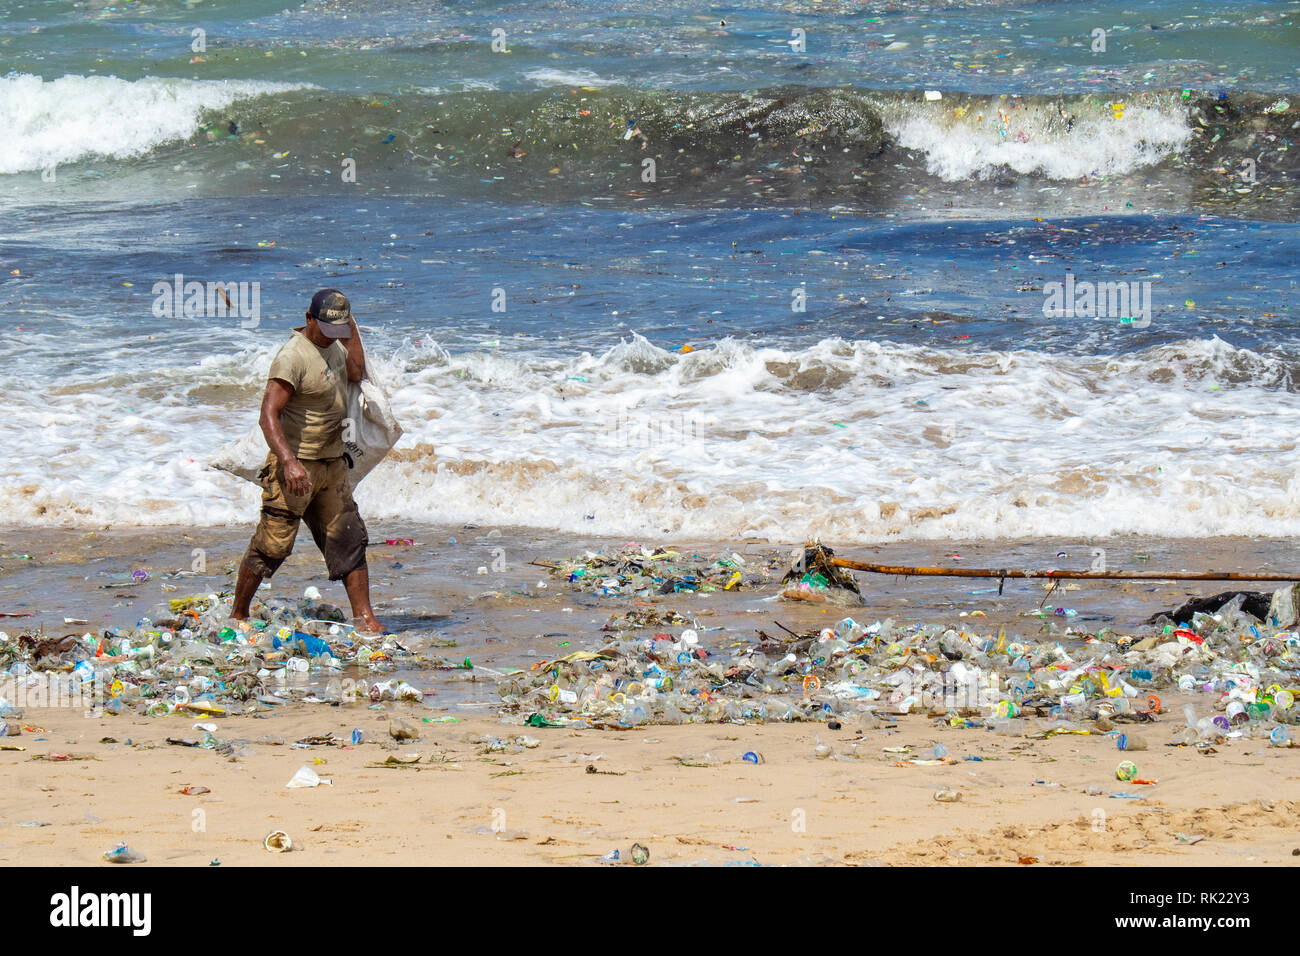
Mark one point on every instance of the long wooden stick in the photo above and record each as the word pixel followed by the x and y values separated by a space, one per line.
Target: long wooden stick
pixel 1057 574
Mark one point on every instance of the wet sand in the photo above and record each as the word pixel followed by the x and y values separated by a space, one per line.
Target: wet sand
pixel 435 583
pixel 464 803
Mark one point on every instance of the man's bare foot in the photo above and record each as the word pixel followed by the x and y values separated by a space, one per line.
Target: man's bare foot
pixel 368 624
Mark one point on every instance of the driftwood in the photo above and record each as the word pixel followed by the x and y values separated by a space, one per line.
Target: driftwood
pixel 818 558
pixel 1061 575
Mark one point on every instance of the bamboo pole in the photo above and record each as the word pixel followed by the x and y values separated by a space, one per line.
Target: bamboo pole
pixel 1062 575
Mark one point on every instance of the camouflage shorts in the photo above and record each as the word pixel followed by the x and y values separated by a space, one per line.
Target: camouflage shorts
pixel 327 508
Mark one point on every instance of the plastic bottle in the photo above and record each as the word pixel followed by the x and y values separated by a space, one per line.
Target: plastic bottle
pixel 778 708
pixel 634 713
pixel 671 714
pixel 306 643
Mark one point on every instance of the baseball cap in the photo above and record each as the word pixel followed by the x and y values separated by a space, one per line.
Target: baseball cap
pixel 331 310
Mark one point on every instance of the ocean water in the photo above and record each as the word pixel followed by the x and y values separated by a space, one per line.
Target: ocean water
pixel 657 270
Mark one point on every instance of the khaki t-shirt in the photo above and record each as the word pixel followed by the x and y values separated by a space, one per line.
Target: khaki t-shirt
pixel 312 419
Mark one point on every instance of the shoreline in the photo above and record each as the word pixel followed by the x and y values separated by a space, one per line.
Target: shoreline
pixel 56 573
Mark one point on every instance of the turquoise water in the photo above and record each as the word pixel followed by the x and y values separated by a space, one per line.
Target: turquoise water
pixel 380 45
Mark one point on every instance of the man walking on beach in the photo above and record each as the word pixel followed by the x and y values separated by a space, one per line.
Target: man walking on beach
pixel 305 477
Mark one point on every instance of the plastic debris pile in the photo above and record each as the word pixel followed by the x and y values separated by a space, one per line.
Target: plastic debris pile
pixel 1245 674
pixel 188 657
pixel 637 571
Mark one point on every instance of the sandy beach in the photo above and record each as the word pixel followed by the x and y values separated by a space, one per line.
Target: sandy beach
pixel 578 795
pixel 470 791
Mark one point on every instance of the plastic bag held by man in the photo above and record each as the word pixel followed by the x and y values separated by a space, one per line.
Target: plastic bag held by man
pixel 369 433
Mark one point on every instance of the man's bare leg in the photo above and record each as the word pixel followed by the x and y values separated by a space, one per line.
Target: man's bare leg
pixel 245 587
pixel 357 583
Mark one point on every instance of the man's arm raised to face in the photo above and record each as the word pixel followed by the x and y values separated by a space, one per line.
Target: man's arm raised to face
pixel 278 392
pixel 356 354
